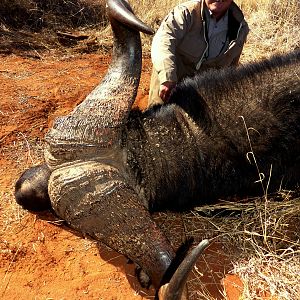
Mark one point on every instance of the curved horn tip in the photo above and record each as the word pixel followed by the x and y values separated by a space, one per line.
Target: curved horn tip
pixel 122 11
pixel 175 289
pixel 202 246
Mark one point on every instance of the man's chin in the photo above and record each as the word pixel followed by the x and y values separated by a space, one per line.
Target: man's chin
pixel 218 8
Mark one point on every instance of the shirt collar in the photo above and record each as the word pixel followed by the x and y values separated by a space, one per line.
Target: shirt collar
pixel 210 15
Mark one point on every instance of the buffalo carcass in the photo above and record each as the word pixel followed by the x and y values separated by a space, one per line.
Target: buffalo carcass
pixel 107 168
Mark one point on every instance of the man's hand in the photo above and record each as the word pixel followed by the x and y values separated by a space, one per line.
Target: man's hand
pixel 165 90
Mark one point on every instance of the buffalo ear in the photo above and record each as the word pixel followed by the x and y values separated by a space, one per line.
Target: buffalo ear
pixel 31 189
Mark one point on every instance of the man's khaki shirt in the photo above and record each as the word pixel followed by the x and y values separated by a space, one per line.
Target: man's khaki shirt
pixel 180 44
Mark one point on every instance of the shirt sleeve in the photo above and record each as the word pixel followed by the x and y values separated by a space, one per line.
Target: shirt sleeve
pixel 165 41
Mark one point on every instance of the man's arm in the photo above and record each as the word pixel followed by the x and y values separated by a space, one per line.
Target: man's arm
pixel 168 36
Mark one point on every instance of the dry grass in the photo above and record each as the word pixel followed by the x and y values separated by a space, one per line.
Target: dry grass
pixel 35 15
pixel 270 275
pixel 32 154
pixel 265 232
pixel 275 25
pixel 32 25
pixel 259 237
pixel 275 28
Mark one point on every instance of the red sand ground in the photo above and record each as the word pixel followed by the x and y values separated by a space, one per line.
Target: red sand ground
pixel 40 259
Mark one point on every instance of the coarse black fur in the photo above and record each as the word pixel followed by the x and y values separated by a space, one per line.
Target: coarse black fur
pixel 196 149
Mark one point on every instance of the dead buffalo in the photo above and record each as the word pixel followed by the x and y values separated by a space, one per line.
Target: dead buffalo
pixel 224 133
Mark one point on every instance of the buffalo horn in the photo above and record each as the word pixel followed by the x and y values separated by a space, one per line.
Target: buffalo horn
pixel 121 11
pixel 175 289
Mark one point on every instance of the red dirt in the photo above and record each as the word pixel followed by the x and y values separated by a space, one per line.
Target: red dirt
pixel 39 258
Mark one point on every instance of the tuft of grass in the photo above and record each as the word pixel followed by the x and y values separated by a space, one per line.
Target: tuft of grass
pixel 27 26
pixel 256 239
pixel 275 28
pixel 35 15
pixel 270 276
